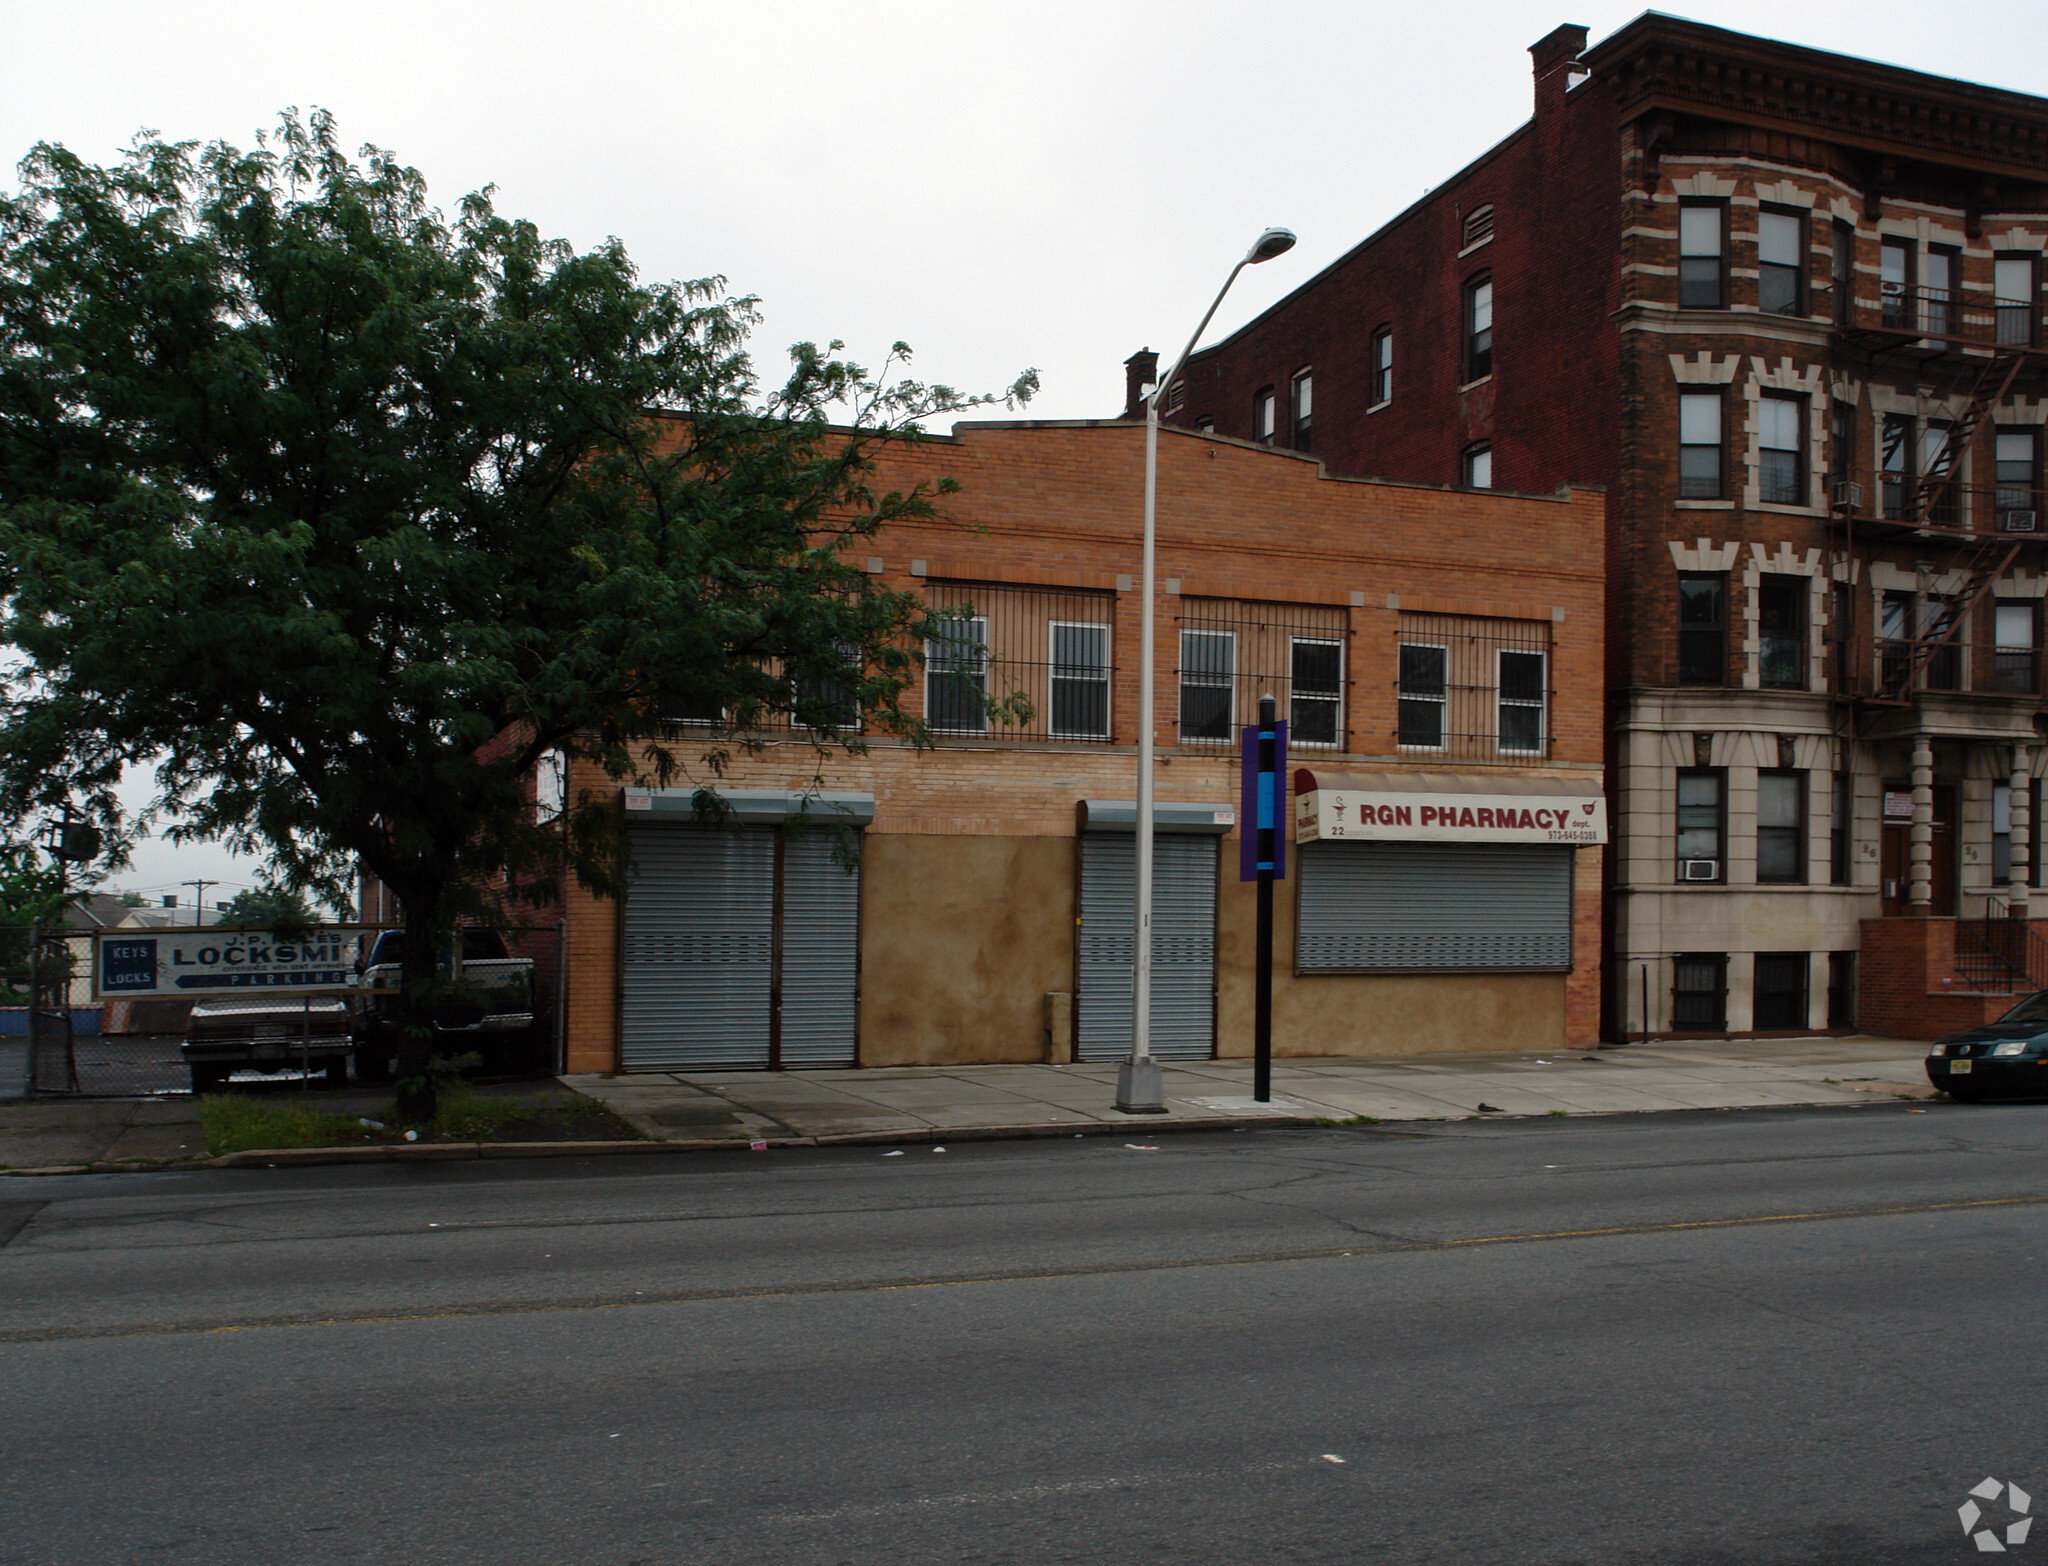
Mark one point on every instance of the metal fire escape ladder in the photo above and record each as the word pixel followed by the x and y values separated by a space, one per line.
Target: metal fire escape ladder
pixel 1988 556
pixel 1993 381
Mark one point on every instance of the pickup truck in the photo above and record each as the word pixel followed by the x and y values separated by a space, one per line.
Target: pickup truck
pixel 268 1033
pixel 490 1013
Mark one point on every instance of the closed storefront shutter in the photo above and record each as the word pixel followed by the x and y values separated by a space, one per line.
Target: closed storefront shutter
pixel 1183 945
pixel 820 951
pixel 1434 907
pixel 700 951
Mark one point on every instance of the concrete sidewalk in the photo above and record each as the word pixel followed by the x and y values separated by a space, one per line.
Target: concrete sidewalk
pixel 923 1103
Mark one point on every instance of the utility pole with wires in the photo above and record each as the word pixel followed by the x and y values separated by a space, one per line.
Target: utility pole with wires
pixel 199 899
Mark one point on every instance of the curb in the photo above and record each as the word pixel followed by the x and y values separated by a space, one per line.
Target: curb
pixel 456 1152
pixel 447 1152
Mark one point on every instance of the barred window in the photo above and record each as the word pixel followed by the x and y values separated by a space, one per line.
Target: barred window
pixel 1019 662
pixel 1232 652
pixel 1521 689
pixel 1208 664
pixel 1080 680
pixel 1424 692
pixel 1315 715
pixel 956 675
pixel 1474 687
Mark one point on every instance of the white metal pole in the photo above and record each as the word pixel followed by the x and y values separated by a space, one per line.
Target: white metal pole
pixel 1139 1089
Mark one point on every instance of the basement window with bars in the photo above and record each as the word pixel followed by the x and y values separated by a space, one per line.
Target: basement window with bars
pixel 1473 688
pixel 1019 662
pixel 1699 992
pixel 1233 651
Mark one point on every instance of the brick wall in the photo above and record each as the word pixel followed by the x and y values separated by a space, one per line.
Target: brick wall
pixel 1061 505
pixel 1906 985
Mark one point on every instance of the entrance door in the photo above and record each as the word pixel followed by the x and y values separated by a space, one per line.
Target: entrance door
pixel 1183 946
pixel 741 950
pixel 1895 859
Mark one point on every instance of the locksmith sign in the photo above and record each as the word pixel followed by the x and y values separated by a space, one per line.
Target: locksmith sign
pixel 139 964
pixel 1417 814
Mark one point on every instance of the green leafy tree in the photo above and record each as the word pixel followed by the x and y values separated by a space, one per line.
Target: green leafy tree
pixel 31 893
pixel 274 907
pixel 341 513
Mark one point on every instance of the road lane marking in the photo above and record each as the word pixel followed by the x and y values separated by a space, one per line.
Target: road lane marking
pixel 1011 1275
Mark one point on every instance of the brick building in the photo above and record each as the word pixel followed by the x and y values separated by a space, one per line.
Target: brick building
pixel 987 916
pixel 1784 307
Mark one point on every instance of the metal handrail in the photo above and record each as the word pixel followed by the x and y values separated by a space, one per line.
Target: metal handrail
pixel 2010 943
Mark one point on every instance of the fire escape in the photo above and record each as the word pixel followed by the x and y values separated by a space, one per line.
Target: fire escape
pixel 1964 536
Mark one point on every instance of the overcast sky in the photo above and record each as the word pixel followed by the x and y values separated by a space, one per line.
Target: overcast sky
pixel 1049 184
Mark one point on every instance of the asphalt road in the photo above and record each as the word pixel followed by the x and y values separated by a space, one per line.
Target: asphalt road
pixel 1768 1336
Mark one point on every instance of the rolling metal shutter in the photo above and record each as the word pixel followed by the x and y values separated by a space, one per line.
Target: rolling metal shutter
pixel 820 951
pixel 1434 907
pixel 699 949
pixel 1183 945
pixel 700 958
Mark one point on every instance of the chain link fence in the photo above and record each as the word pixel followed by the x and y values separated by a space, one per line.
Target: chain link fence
pixel 502 1018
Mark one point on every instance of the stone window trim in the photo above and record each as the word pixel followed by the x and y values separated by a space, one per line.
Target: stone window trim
pixel 1810 383
pixel 1784 563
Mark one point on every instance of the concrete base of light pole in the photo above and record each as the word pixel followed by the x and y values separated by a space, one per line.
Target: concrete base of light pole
pixel 1139 1088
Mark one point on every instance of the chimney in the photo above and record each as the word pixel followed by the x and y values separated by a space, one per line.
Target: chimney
pixel 1141 370
pixel 1555 56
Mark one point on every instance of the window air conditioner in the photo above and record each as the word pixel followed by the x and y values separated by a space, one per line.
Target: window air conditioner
pixel 1848 497
pixel 1700 869
pixel 2018 521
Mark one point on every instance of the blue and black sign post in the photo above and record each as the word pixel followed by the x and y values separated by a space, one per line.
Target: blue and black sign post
pixel 1262 857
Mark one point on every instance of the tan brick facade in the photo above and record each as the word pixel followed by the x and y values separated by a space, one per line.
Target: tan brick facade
pixel 968 869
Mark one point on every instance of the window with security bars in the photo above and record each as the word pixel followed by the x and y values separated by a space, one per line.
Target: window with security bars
pixel 1473 688
pixel 1778 998
pixel 1234 651
pixel 1017 662
pixel 1699 992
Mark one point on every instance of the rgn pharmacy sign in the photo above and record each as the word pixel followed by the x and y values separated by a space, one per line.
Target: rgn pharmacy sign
pixel 135 965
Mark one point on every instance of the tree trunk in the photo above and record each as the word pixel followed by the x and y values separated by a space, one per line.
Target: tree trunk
pixel 418 987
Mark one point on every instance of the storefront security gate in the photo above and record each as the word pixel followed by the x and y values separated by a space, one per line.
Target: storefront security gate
pixel 741 950
pixel 1378 907
pixel 1183 945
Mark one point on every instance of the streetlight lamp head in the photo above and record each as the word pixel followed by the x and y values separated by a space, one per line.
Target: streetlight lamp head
pixel 1274 242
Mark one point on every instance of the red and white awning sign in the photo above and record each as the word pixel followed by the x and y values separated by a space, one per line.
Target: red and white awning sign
pixel 1446 808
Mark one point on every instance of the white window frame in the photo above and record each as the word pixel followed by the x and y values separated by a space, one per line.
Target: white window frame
pixel 1265 405
pixel 1442 700
pixel 1541 704
pixel 1053 678
pixel 1474 458
pixel 1294 740
pixel 1181 685
pixel 1382 351
pixel 932 665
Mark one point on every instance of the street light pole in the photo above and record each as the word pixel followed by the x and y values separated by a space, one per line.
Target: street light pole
pixel 1139 1090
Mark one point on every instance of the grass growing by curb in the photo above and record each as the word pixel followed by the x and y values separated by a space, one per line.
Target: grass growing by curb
pixel 467 1115
pixel 235 1125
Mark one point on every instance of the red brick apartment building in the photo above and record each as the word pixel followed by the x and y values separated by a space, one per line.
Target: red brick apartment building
pixel 1784 307
pixel 988 913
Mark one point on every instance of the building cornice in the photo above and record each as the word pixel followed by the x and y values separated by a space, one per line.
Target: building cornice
pixel 1661 63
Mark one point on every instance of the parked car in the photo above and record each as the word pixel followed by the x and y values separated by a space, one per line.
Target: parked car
pixel 271 1032
pixel 489 1013
pixel 2009 1056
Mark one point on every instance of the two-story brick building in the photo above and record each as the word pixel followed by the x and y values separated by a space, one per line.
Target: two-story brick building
pixel 987 914
pixel 1785 307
